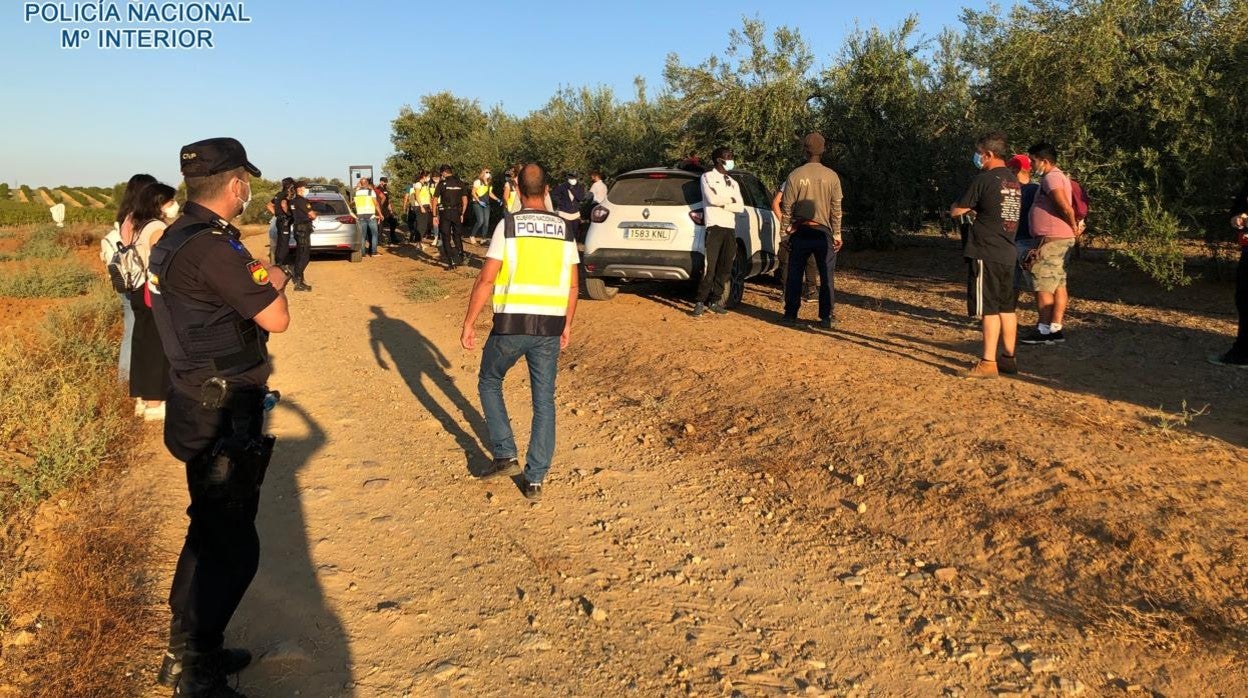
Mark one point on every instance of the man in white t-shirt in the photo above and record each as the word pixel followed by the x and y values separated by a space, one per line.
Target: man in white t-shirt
pixel 530 275
pixel 597 188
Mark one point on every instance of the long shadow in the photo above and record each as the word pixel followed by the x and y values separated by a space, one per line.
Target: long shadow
pixel 303 645
pixel 1149 364
pixel 416 358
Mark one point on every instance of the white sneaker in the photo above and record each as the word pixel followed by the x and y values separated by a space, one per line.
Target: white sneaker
pixel 154 414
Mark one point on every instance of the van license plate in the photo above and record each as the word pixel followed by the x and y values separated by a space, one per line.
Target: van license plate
pixel 663 234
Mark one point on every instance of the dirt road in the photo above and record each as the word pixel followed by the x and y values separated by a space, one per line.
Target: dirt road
pixel 702 532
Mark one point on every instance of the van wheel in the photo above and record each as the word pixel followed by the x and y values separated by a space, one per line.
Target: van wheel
pixel 736 283
pixel 599 290
pixel 357 255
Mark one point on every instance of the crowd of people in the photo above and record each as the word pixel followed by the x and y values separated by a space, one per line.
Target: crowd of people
pixel 199 308
pixel 441 210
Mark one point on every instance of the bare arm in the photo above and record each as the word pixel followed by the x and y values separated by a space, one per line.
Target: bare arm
pixel 1061 199
pixel 481 292
pixel 276 315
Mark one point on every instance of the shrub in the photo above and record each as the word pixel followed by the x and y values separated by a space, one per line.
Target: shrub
pixel 46 279
pixel 64 412
pixel 43 243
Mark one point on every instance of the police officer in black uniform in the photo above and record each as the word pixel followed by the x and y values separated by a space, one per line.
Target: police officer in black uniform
pixel 279 206
pixel 214 305
pixel 302 215
pixel 452 196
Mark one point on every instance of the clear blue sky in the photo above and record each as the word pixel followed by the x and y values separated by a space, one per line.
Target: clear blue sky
pixel 310 87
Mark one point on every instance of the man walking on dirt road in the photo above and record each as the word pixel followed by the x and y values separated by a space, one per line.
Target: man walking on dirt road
pixel 214 305
pixel 530 272
pixel 996 199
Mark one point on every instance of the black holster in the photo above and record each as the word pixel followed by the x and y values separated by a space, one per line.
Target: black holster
pixel 232 472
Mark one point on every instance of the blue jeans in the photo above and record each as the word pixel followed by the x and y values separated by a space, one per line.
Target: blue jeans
pixel 481 222
pixel 501 352
pixel 127 337
pixel 368 229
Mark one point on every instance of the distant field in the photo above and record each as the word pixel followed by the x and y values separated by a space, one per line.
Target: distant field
pixel 25 204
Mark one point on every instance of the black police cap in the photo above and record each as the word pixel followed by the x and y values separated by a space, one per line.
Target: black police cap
pixel 214 156
pixel 287 181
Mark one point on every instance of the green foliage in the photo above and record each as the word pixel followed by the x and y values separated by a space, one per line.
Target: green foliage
pixel 43 243
pixel 5 193
pixel 756 100
pixel 45 279
pixel 423 290
pixel 898 128
pixel 14 213
pixel 1145 101
pixel 64 412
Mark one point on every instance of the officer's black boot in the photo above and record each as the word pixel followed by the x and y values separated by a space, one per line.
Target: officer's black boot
pixel 204 676
pixel 301 285
pixel 230 661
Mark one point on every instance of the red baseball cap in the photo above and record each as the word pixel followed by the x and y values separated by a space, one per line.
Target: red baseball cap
pixel 1019 162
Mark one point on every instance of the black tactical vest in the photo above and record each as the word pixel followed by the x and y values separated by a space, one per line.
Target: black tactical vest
pixel 202 339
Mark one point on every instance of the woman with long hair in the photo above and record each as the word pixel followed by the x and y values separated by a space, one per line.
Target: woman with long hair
pixel 154 209
pixel 121 234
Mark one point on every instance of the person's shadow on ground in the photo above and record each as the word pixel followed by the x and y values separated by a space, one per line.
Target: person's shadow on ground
pixel 417 358
pixel 300 643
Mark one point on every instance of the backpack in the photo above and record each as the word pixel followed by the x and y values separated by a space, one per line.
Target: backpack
pixel 125 268
pixel 1078 199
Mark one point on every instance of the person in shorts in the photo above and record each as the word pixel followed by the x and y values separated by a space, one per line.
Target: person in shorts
pixel 1051 220
pixel 995 198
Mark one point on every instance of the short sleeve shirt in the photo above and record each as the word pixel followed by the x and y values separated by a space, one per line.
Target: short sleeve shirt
pixel 1046 221
pixel 450 192
pixel 277 205
pixel 996 199
pixel 498 244
pixel 301 208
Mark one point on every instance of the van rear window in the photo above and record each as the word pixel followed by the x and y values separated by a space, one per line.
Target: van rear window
pixel 652 191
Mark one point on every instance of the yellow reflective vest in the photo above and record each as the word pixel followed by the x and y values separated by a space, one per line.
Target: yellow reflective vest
pixel 531 290
pixel 365 202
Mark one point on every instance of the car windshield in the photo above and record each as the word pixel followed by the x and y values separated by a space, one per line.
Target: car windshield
pixel 656 190
pixel 329 207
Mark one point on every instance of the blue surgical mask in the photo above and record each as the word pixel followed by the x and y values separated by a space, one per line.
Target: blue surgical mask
pixel 729 164
pixel 978 160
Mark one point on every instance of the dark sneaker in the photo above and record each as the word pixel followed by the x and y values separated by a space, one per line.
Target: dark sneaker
pixel 204 675
pixel 300 286
pixel 231 661
pixel 1056 337
pixel 789 322
pixel 827 323
pixel 533 491
pixel 1035 337
pixel 509 467
pixel 718 309
pixel 1008 365
pixel 1228 359
pixel 699 309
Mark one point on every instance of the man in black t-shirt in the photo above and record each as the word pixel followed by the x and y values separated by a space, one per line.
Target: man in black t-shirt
pixel 452 199
pixel 995 197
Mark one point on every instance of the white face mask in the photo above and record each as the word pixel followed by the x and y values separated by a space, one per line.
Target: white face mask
pixel 572 182
pixel 171 211
pixel 729 164
pixel 243 201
